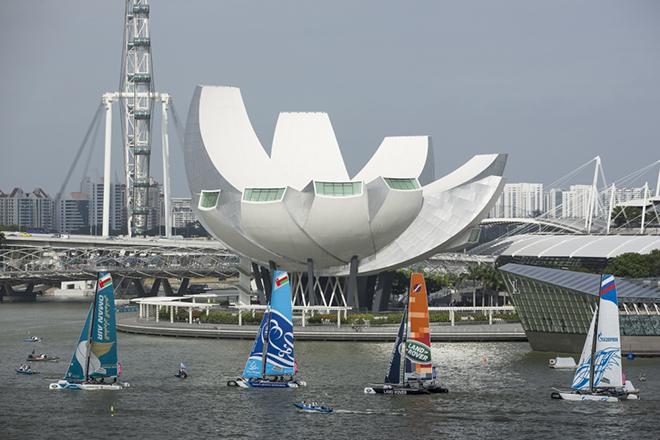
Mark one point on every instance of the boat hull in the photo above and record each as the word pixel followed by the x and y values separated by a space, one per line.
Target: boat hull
pixel 249 383
pixel 26 372
pixel 313 408
pixel 399 390
pixel 44 359
pixel 65 385
pixel 577 397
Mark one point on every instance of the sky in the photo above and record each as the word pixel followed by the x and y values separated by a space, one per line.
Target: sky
pixel 552 83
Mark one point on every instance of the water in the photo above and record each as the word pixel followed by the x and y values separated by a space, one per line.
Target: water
pixel 497 390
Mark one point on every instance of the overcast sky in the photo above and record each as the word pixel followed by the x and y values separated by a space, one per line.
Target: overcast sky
pixel 552 83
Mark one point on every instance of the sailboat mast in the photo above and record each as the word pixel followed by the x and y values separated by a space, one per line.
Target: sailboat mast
pixel 91 329
pixel 264 350
pixel 593 342
pixel 402 367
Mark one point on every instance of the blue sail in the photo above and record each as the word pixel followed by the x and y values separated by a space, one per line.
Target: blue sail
pixel 76 371
pixel 102 358
pixel 394 371
pixel 254 366
pixel 280 357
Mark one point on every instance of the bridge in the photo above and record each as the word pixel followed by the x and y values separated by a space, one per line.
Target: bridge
pixel 48 259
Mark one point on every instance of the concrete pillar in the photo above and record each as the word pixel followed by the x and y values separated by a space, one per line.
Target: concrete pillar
pixel 352 284
pixel 167 287
pixel 256 274
pixel 267 282
pixel 155 287
pixel 190 315
pixel 140 288
pixel 451 317
pixel 171 314
pixel 383 291
pixel 157 313
pixel 338 318
pixel 311 295
pixel 240 317
pixel 183 287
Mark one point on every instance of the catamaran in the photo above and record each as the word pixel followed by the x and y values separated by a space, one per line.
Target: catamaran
pixel 599 375
pixel 272 362
pixel 94 362
pixel 412 373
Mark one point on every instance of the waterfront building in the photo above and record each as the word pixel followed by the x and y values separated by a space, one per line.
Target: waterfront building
pixel 72 213
pixel 519 200
pixel 299 210
pixel 182 212
pixel 94 190
pixel 555 307
pixel 575 201
pixel 27 211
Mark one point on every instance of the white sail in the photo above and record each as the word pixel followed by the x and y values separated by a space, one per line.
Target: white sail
pixel 583 370
pixel 607 357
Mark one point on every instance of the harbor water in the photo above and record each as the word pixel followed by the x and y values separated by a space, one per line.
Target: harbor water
pixel 497 390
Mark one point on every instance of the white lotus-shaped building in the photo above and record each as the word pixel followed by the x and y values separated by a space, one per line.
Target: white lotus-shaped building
pixel 299 204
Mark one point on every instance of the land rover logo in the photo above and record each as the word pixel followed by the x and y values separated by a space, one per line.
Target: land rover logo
pixel 418 352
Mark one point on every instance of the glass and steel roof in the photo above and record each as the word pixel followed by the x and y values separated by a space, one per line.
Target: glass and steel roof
pixel 259 195
pixel 338 189
pixel 402 184
pixel 587 283
pixel 573 246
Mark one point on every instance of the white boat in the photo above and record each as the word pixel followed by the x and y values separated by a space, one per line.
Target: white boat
pixel 561 363
pixel 94 364
pixel 599 374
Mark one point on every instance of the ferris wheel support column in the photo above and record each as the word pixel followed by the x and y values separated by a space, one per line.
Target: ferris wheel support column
pixel 107 102
pixel 165 100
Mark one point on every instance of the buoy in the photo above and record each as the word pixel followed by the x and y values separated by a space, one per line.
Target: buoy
pixel 630 356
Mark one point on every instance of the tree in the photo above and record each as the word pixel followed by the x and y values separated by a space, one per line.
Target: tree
pixel 635 265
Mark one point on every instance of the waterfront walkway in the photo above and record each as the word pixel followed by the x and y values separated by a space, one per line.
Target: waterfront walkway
pixel 439 332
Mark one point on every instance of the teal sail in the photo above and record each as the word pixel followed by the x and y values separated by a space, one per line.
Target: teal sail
pixel 102 359
pixel 76 371
pixel 280 357
pixel 254 364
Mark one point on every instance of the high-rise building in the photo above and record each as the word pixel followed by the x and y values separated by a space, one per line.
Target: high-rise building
pixel 575 201
pixel 27 210
pixel 94 190
pixel 182 212
pixel 519 200
pixel 73 213
pixel 553 202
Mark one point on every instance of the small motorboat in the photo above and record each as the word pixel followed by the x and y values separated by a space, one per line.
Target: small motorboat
pixel 562 363
pixel 32 339
pixel 313 407
pixel 26 369
pixel 182 374
pixel 41 357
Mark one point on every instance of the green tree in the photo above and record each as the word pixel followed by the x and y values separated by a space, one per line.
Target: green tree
pixel 633 265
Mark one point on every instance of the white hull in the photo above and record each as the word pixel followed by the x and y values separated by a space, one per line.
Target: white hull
pixel 246 383
pixel 65 385
pixel 596 397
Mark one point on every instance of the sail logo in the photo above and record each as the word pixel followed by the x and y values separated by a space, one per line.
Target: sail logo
pixel 602 338
pixel 105 281
pixel 418 352
pixel 282 280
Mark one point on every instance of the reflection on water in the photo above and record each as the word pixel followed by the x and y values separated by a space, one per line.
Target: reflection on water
pixel 497 390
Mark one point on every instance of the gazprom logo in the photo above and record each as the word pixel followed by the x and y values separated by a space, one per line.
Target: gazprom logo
pixel 602 338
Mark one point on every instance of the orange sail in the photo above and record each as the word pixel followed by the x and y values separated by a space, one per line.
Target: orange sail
pixel 418 343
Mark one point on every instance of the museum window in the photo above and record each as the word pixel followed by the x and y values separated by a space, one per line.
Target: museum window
pixel 402 184
pixel 338 189
pixel 260 195
pixel 208 199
